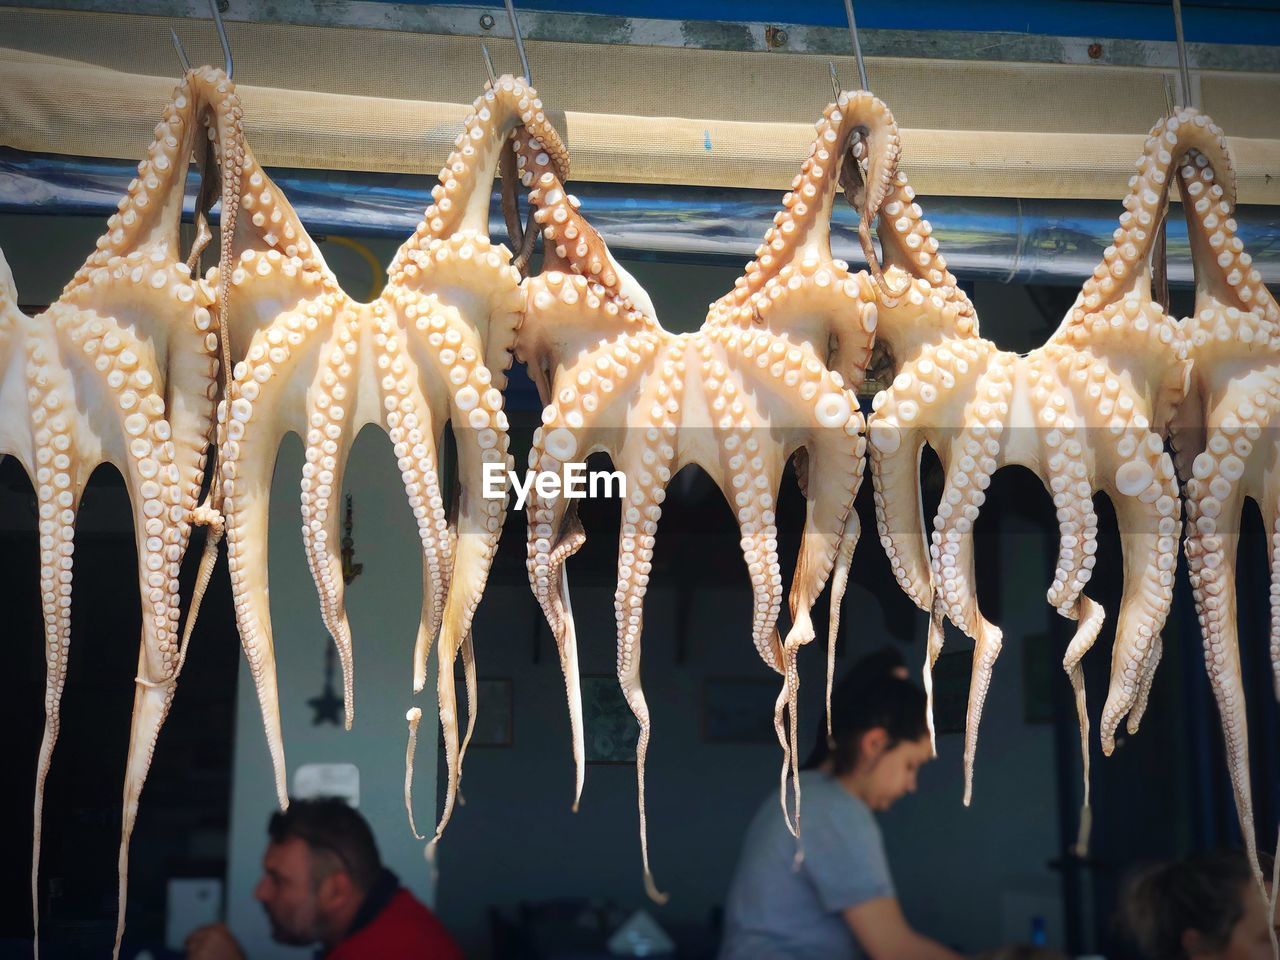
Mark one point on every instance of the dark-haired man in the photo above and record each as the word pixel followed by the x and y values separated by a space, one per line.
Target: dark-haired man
pixel 323 883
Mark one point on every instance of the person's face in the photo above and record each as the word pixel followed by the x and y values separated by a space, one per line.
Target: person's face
pixel 892 771
pixel 288 894
pixel 1251 938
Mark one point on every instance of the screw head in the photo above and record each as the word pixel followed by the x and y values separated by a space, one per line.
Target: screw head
pixel 486 21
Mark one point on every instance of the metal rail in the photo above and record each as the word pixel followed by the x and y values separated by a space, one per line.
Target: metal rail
pixel 1013 241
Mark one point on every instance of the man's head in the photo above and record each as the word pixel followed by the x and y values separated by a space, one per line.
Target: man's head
pixel 321 861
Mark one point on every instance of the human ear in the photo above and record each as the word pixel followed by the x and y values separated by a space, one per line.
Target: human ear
pixel 1193 943
pixel 335 889
pixel 873 743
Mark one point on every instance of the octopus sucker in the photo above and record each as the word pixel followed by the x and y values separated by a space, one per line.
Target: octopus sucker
pixel 121 370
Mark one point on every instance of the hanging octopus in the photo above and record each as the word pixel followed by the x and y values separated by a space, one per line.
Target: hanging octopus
pixel 1225 453
pixel 121 369
pixel 795 287
pixel 431 350
pixel 737 402
pixel 1086 412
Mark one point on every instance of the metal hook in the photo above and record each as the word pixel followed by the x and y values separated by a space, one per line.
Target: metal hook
pixel 182 54
pixel 227 62
pixel 835 80
pixel 1182 54
pixel 857 47
pixel 515 32
pixel 488 65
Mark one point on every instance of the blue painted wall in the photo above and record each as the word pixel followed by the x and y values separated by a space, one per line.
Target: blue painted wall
pixel 1206 21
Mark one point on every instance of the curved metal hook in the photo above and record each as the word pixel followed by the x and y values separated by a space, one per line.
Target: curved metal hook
pixel 182 54
pixel 222 39
pixel 515 32
pixel 857 47
pixel 1182 54
pixel 228 63
pixel 488 65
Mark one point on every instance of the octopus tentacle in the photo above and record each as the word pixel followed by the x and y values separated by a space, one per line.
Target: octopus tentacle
pixel 1273 527
pixel 839 581
pixel 477 404
pixel 460 202
pixel 574 424
pixel 829 479
pixel 895 476
pixel 1125 264
pixel 1144 684
pixel 907 240
pixel 409 422
pixel 737 402
pixel 749 473
pixel 431 350
pixel 1232 338
pixel 1213 508
pixel 802 228
pixel 414 718
pixel 648 460
pixel 328 412
pixel 133 325
pixel 971 460
pixel 1066 475
pixel 248 448
pixel 905 416
pixel 1138 475
pixel 838 460
pixel 794 285
pixel 56 508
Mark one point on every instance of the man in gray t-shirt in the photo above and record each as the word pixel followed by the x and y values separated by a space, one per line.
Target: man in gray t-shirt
pixel 779 908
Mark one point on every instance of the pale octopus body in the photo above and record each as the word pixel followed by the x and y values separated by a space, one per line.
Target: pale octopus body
pixel 738 403
pixel 1227 447
pixel 1087 412
pixel 430 351
pixel 122 370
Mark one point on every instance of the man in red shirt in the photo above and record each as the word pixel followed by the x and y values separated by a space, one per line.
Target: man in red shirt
pixel 323 882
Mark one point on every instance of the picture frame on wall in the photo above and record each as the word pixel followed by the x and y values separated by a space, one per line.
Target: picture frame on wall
pixel 739 709
pixel 610 727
